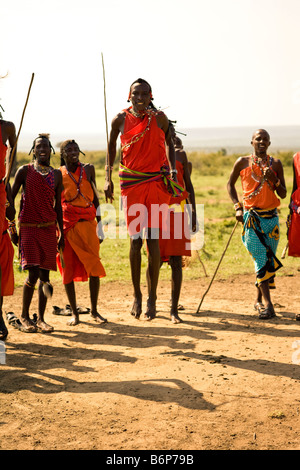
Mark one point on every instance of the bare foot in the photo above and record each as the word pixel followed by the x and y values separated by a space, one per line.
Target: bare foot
pixel 98 318
pixel 74 320
pixel 28 325
pixel 175 318
pixel 151 310
pixel 44 327
pixel 136 308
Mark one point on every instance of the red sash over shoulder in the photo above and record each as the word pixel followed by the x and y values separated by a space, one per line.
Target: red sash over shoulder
pixel 143 143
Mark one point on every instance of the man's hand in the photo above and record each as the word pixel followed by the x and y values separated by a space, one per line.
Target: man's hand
pixel 239 215
pixel 270 175
pixel 109 191
pixel 61 243
pixel 195 226
pixel 173 175
pixel 100 233
pixel 14 238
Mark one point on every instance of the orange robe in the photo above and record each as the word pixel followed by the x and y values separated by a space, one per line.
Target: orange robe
pixel 266 199
pixel 294 230
pixel 81 253
pixel 6 263
pixel 174 241
pixel 143 150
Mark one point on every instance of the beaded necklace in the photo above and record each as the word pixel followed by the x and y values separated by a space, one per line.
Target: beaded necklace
pixel 148 112
pixel 261 179
pixel 42 169
pixel 77 183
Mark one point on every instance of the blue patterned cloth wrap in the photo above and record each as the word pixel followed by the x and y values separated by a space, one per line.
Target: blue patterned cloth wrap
pixel 261 237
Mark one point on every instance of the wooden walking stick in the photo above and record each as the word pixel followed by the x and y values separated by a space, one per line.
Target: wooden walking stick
pixel 12 155
pixel 236 224
pixel 288 224
pixel 107 165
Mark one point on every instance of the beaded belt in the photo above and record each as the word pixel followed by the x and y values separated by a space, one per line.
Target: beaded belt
pixel 41 225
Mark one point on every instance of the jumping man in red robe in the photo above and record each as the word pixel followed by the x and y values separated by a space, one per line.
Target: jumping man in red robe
pixel 147 149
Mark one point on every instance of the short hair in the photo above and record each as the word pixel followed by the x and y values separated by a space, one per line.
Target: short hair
pixel 42 136
pixel 62 148
pixel 140 80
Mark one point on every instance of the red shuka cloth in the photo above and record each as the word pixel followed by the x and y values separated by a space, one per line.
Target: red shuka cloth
pixel 81 252
pixel 6 263
pixel 294 230
pixel 147 154
pixel 38 245
pixel 178 226
pixel 3 150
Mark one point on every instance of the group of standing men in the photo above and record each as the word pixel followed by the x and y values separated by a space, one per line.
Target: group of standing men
pixel 59 212
pixel 59 216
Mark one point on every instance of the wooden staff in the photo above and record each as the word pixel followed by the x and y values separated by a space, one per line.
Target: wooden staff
pixel 285 250
pixel 62 260
pixel 12 155
pixel 236 224
pixel 104 90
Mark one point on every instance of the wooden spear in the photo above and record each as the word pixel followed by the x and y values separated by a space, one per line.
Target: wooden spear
pixel 12 155
pixel 236 224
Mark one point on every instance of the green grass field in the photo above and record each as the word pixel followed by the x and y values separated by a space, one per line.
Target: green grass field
pixel 209 176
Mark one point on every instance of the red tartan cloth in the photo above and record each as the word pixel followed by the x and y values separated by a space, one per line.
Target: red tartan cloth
pixel 38 245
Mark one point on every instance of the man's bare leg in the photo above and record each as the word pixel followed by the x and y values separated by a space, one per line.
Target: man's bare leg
pixel 28 290
pixel 71 294
pixel 176 265
pixel 41 324
pixel 135 266
pixel 154 263
pixel 3 328
pixel 268 311
pixel 94 283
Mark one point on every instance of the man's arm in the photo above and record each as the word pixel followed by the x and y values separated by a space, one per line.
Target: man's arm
pixel 58 208
pixel 278 181
pixel 10 214
pixel 164 124
pixel 232 189
pixel 116 127
pixel 19 180
pixel 190 188
pixel 10 132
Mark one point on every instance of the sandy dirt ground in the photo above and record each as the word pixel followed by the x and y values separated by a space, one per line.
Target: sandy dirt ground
pixel 223 379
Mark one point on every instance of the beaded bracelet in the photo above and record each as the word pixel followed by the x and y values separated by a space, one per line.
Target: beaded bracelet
pixel 277 183
pixel 12 227
pixel 237 206
pixel 173 170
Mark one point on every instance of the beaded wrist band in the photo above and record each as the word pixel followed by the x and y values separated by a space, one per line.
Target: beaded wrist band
pixel 277 183
pixel 237 206
pixel 12 227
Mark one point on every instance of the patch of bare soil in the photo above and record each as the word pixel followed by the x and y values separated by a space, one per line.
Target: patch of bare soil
pixel 223 379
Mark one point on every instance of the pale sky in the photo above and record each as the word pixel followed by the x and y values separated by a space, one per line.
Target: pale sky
pixel 210 63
